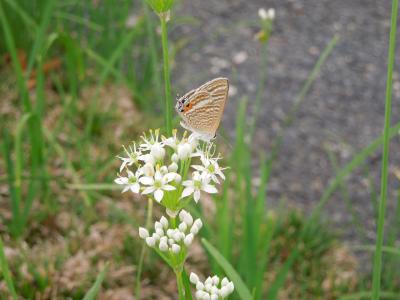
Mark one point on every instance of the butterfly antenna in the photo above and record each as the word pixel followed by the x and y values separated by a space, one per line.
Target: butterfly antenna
pixel 226 142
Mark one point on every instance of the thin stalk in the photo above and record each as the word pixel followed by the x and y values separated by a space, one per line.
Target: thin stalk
pixel 377 270
pixel 261 87
pixel 181 287
pixel 167 82
pixel 144 247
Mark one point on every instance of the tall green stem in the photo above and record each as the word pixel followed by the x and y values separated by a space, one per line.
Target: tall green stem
pixel 181 287
pixel 167 82
pixel 376 282
pixel 143 251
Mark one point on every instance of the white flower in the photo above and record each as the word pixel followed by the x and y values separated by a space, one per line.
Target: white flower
pixel 188 239
pixel 133 155
pixel 199 182
pixel 184 216
pixel 173 167
pixel 131 182
pixel 164 222
pixel 148 159
pixel 211 167
pixel 148 143
pixel 158 184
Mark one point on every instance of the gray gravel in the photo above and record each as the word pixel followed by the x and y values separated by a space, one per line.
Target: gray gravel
pixel 344 110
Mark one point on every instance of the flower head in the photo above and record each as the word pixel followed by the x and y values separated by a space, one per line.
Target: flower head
pixel 198 183
pixel 132 157
pixel 210 166
pixel 130 182
pixel 158 184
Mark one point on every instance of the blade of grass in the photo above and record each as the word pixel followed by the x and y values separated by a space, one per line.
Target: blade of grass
pixel 5 271
pixel 167 81
pixel 95 289
pixel 371 248
pixel 377 268
pixel 240 286
pixel 368 294
pixel 186 283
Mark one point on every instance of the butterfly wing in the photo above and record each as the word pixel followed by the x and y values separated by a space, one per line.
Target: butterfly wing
pixel 204 106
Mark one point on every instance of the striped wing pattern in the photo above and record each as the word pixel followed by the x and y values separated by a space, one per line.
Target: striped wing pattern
pixel 206 106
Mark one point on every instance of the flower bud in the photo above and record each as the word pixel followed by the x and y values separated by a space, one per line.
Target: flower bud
pixel 158 225
pixel 214 297
pixel 224 281
pixel 188 239
pixel 160 232
pixel 178 178
pixel 173 167
pixel 198 224
pixel 184 151
pixel 175 158
pixel 199 286
pixel 143 233
pixel 150 241
pixel 157 151
pixel 215 280
pixel 163 246
pixel 176 248
pixel 193 278
pixel 230 287
pixel 182 227
pixel 164 222
pixel 163 170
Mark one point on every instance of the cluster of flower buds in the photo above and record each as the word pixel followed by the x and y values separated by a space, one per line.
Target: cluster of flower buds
pixel 172 239
pixel 266 14
pixel 212 288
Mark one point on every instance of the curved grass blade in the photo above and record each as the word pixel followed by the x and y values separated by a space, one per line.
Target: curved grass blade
pixel 95 289
pixel 186 283
pixel 240 286
pixel 5 271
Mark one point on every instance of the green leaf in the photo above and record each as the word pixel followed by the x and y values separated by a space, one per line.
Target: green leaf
pixel 160 6
pixel 6 272
pixel 95 289
pixel 240 286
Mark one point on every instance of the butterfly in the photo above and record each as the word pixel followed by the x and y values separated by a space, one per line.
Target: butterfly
pixel 201 109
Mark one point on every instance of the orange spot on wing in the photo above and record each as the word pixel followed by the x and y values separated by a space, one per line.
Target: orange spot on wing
pixel 187 107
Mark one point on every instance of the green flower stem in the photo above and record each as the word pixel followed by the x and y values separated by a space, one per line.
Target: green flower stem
pixel 167 82
pixel 181 287
pixel 143 251
pixel 376 282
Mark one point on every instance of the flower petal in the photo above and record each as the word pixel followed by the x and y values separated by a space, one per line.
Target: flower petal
pixel 146 180
pixel 187 191
pixel 196 196
pixel 158 195
pixel 121 180
pixel 135 188
pixel 148 190
pixel 168 187
pixel 210 189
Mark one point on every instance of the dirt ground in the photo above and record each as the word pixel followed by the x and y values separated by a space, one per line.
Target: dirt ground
pixel 343 111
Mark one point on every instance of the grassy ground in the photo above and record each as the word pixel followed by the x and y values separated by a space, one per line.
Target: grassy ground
pixel 78 80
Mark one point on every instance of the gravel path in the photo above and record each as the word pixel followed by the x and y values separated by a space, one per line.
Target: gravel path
pixel 343 111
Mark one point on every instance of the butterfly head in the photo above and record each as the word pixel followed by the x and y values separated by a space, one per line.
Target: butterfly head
pixel 183 105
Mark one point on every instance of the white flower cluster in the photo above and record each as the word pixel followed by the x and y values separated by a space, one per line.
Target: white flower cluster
pixel 172 239
pixel 266 14
pixel 159 164
pixel 212 288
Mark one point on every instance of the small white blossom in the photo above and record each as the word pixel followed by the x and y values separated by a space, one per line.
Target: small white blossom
pixel 133 155
pixel 131 182
pixel 188 239
pixel 184 216
pixel 158 184
pixel 210 166
pixel 173 167
pixel 163 246
pixel 199 182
